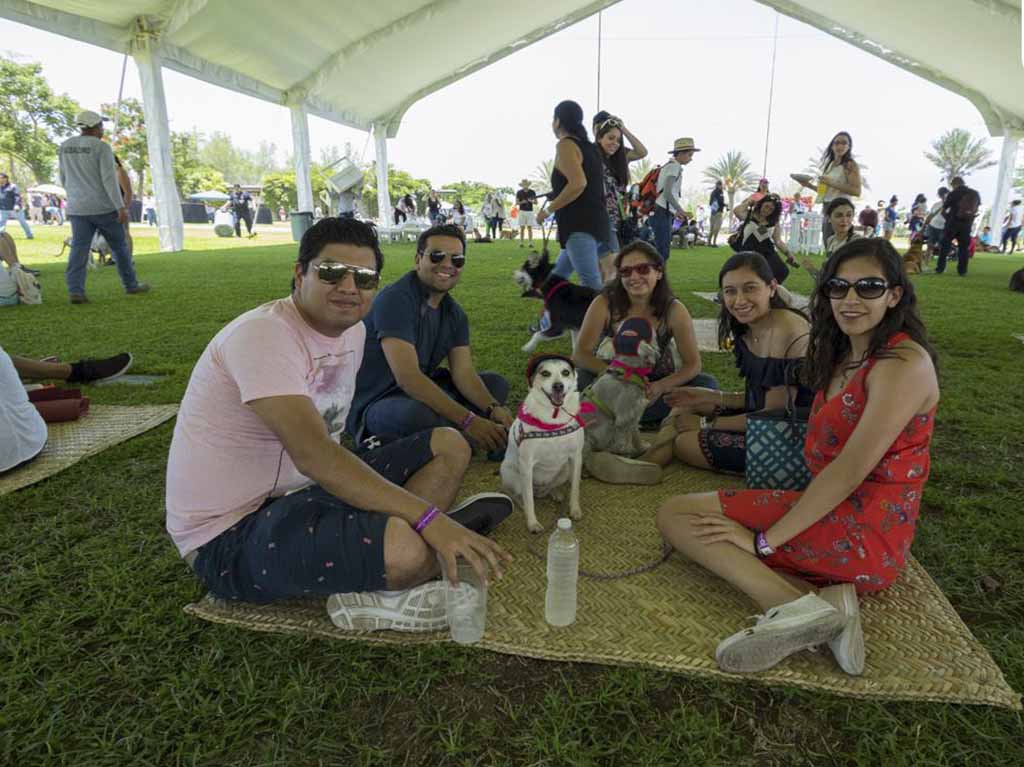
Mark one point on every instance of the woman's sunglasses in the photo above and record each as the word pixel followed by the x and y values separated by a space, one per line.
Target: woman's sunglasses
pixel 333 272
pixel 642 269
pixel 867 287
pixel 437 256
pixel 611 122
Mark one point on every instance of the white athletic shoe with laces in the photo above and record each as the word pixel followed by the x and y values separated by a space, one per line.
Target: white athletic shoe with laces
pixel 848 646
pixel 780 632
pixel 420 608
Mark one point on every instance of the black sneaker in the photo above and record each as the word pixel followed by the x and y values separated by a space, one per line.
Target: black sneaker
pixel 89 371
pixel 483 512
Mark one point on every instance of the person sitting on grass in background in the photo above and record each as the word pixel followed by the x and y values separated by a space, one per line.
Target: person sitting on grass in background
pixel 641 290
pixel 264 503
pixel 985 241
pixel 8 276
pixel 803 557
pixel 840 216
pixel 707 427
pixel 413 327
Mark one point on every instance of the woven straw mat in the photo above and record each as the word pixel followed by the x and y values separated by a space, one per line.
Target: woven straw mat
pixel 68 443
pixel 673 617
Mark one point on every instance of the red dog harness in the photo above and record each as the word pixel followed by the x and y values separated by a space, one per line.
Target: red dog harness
pixel 545 429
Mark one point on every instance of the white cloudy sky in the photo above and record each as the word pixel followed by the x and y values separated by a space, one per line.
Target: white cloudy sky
pixel 670 69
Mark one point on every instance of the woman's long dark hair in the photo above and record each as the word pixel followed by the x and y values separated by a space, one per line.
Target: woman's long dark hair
pixel 829 345
pixel 570 118
pixel 615 292
pixel 617 163
pixel 828 156
pixel 728 326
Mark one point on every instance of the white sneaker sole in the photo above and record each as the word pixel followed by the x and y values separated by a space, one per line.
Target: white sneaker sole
pixel 417 609
pixel 848 647
pixel 761 648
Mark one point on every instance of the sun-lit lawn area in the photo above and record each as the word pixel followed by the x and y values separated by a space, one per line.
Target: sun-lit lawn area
pixel 102 667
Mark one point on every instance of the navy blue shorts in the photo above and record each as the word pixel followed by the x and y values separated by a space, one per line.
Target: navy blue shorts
pixel 309 542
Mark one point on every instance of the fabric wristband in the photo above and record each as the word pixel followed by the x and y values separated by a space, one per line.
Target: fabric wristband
pixel 761 545
pixel 426 518
pixel 467 420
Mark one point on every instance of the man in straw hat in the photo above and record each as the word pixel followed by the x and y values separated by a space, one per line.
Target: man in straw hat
pixel 525 198
pixel 667 204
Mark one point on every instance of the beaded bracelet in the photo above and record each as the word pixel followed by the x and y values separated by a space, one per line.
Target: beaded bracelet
pixel 426 518
pixel 467 420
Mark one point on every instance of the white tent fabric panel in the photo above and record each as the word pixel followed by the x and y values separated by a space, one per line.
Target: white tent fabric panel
pixel 354 62
pixel 971 47
pixel 359 63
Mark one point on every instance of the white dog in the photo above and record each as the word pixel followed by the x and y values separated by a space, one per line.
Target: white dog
pixel 545 443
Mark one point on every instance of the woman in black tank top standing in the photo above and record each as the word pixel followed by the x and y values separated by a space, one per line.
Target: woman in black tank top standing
pixel 577 197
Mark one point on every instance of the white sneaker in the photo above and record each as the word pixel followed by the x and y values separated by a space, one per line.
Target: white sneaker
pixel 782 631
pixel 420 608
pixel 848 647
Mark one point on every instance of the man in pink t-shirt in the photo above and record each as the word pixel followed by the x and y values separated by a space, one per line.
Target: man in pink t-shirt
pixel 262 500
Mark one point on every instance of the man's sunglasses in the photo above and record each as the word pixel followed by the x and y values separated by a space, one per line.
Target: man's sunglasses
pixel 333 272
pixel 642 269
pixel 437 256
pixel 868 287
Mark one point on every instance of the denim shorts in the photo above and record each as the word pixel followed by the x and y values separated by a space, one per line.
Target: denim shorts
pixel 309 543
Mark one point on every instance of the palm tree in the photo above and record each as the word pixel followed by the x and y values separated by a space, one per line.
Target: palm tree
pixel 733 170
pixel 542 176
pixel 956 153
pixel 638 170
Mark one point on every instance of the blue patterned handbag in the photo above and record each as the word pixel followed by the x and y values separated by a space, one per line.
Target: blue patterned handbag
pixel 775 447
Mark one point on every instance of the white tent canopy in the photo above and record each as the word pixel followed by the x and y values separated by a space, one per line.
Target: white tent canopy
pixel 349 61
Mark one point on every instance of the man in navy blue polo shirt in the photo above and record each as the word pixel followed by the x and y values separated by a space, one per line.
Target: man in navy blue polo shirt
pixel 12 206
pixel 413 327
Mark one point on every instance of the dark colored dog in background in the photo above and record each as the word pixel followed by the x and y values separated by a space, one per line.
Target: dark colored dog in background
pixel 565 301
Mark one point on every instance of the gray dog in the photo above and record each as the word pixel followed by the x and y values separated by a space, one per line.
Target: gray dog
pixel 619 394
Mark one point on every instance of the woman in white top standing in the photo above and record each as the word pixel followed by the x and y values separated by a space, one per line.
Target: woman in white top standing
pixel 839 177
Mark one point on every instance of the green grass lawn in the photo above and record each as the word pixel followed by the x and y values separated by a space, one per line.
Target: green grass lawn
pixel 101 667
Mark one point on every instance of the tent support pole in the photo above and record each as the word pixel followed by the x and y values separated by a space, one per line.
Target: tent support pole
pixel 300 151
pixel 1004 182
pixel 380 139
pixel 170 226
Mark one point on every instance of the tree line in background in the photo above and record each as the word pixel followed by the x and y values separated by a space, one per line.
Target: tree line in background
pixel 34 120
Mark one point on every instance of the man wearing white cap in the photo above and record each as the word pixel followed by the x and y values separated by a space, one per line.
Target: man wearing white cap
pixel 89 175
pixel 667 204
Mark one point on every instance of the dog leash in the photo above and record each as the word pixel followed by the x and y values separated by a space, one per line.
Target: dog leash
pixel 666 552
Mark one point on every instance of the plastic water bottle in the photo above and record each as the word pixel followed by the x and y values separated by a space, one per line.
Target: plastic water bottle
pixel 563 570
pixel 466 604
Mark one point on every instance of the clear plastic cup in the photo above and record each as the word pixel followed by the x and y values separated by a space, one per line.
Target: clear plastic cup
pixel 465 604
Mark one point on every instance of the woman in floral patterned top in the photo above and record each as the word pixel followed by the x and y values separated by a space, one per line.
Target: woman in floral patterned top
pixel 867 447
pixel 610 137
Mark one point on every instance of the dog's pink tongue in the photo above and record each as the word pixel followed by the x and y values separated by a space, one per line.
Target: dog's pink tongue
pixel 557 398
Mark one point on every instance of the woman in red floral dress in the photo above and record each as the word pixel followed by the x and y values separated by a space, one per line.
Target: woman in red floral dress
pixel 871 423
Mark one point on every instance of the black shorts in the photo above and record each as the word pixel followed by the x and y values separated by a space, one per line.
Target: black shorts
pixel 309 542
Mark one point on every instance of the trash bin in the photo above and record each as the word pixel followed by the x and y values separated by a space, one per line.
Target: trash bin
pixel 301 221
